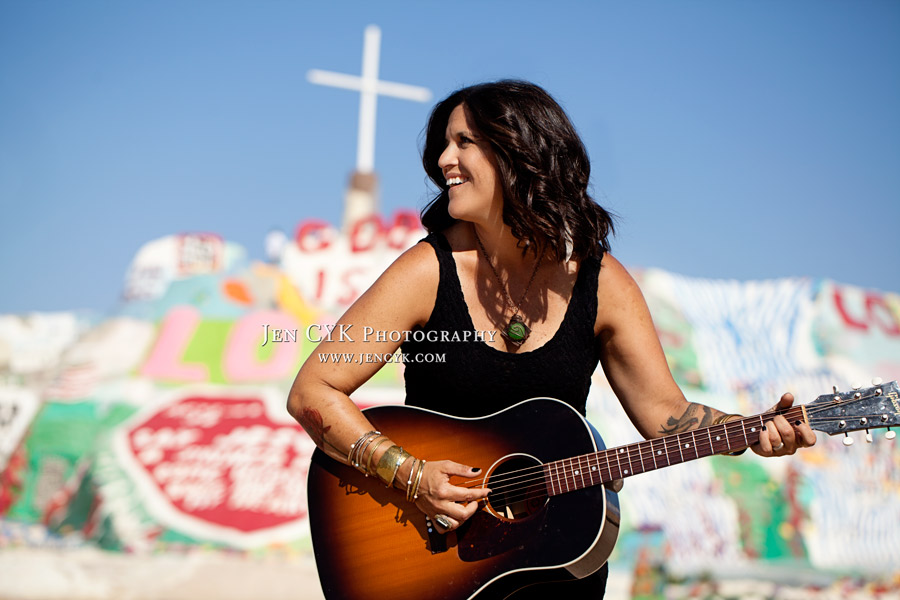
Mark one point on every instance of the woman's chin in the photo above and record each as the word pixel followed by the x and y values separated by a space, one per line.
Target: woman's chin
pixel 458 212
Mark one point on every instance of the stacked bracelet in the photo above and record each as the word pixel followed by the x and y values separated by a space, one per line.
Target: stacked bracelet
pixel 358 448
pixel 389 464
pixel 412 473
pixel 414 492
pixel 368 468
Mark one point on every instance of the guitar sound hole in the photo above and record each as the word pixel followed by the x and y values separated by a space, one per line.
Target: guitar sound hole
pixel 517 487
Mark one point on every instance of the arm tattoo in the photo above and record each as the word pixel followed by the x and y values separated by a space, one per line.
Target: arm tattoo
pixel 694 417
pixel 311 421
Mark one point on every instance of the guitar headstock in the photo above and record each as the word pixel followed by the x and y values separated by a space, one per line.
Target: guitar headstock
pixel 869 408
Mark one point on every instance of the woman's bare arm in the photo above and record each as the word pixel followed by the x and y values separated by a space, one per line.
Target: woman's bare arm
pixel 636 367
pixel 402 298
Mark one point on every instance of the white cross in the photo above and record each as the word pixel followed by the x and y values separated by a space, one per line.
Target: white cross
pixel 369 87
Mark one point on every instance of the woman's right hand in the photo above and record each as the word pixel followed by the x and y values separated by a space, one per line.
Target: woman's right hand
pixel 440 498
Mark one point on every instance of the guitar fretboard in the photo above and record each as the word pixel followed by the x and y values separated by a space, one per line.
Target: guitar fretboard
pixel 596 468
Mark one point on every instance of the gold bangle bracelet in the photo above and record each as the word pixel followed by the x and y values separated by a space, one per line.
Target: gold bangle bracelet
pixel 400 462
pixel 360 449
pixel 357 444
pixel 369 470
pixel 389 463
pixel 723 420
pixel 386 462
pixel 412 473
pixel 415 493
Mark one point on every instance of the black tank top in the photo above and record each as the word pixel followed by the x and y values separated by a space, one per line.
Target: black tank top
pixel 475 379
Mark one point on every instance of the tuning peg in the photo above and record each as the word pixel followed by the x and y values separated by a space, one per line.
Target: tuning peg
pixel 890 434
pixel 868 437
pixel 856 385
pixel 848 441
pixel 877 381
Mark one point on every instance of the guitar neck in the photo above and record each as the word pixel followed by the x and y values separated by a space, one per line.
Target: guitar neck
pixel 578 472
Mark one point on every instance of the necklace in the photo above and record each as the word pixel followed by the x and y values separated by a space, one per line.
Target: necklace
pixel 516 330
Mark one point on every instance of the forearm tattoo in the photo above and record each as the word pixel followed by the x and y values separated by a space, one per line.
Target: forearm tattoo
pixel 311 421
pixel 695 416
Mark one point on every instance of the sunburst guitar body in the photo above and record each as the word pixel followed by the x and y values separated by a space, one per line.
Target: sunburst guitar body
pixel 552 513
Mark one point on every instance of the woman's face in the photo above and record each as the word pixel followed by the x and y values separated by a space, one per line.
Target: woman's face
pixel 470 171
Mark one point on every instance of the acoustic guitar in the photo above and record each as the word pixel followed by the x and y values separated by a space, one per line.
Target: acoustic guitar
pixel 552 513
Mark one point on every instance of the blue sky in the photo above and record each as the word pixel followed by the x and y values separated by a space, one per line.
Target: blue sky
pixel 735 139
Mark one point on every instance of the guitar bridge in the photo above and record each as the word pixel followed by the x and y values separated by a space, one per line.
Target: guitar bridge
pixel 437 542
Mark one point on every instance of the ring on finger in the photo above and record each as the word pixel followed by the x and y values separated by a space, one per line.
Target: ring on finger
pixel 778 447
pixel 442 520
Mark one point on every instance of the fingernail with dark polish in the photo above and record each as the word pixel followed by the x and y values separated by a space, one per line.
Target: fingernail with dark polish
pixel 476 470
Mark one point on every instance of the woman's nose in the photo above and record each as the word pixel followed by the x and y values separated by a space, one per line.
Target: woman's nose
pixel 447 157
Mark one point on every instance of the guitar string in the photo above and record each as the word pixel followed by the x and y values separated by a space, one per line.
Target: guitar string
pixel 665 440
pixel 574 473
pixel 532 490
pixel 579 466
pixel 569 471
pixel 537 488
pixel 646 450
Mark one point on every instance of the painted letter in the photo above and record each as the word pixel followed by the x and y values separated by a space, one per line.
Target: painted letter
pixel 241 363
pixel 175 334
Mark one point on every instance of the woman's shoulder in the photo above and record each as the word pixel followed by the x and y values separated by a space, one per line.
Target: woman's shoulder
pixel 418 264
pixel 405 291
pixel 618 294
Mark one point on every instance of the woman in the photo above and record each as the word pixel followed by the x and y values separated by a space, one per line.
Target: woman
pixel 518 251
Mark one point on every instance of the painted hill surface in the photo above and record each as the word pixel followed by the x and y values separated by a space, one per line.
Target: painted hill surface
pixel 161 426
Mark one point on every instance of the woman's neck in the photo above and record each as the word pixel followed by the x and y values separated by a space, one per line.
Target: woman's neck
pixel 502 248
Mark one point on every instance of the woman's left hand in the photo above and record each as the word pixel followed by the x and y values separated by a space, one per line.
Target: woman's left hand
pixel 781 438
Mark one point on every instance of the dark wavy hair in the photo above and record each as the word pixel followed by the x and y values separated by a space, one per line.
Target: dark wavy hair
pixel 543 167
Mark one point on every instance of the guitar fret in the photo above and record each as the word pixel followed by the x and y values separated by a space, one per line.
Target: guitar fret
pixel 712 447
pixel 580 472
pixel 694 438
pixel 590 469
pixel 552 484
pixel 596 469
pixel 678 441
pixel 622 472
pixel 572 473
pixel 587 468
pixel 641 456
pixel 744 430
pixel 630 466
pixel 653 455
pixel 608 465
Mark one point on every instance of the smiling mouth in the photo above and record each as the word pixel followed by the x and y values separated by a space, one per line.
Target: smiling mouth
pixel 454 181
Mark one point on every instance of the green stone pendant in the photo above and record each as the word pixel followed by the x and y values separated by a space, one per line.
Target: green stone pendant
pixel 517 331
